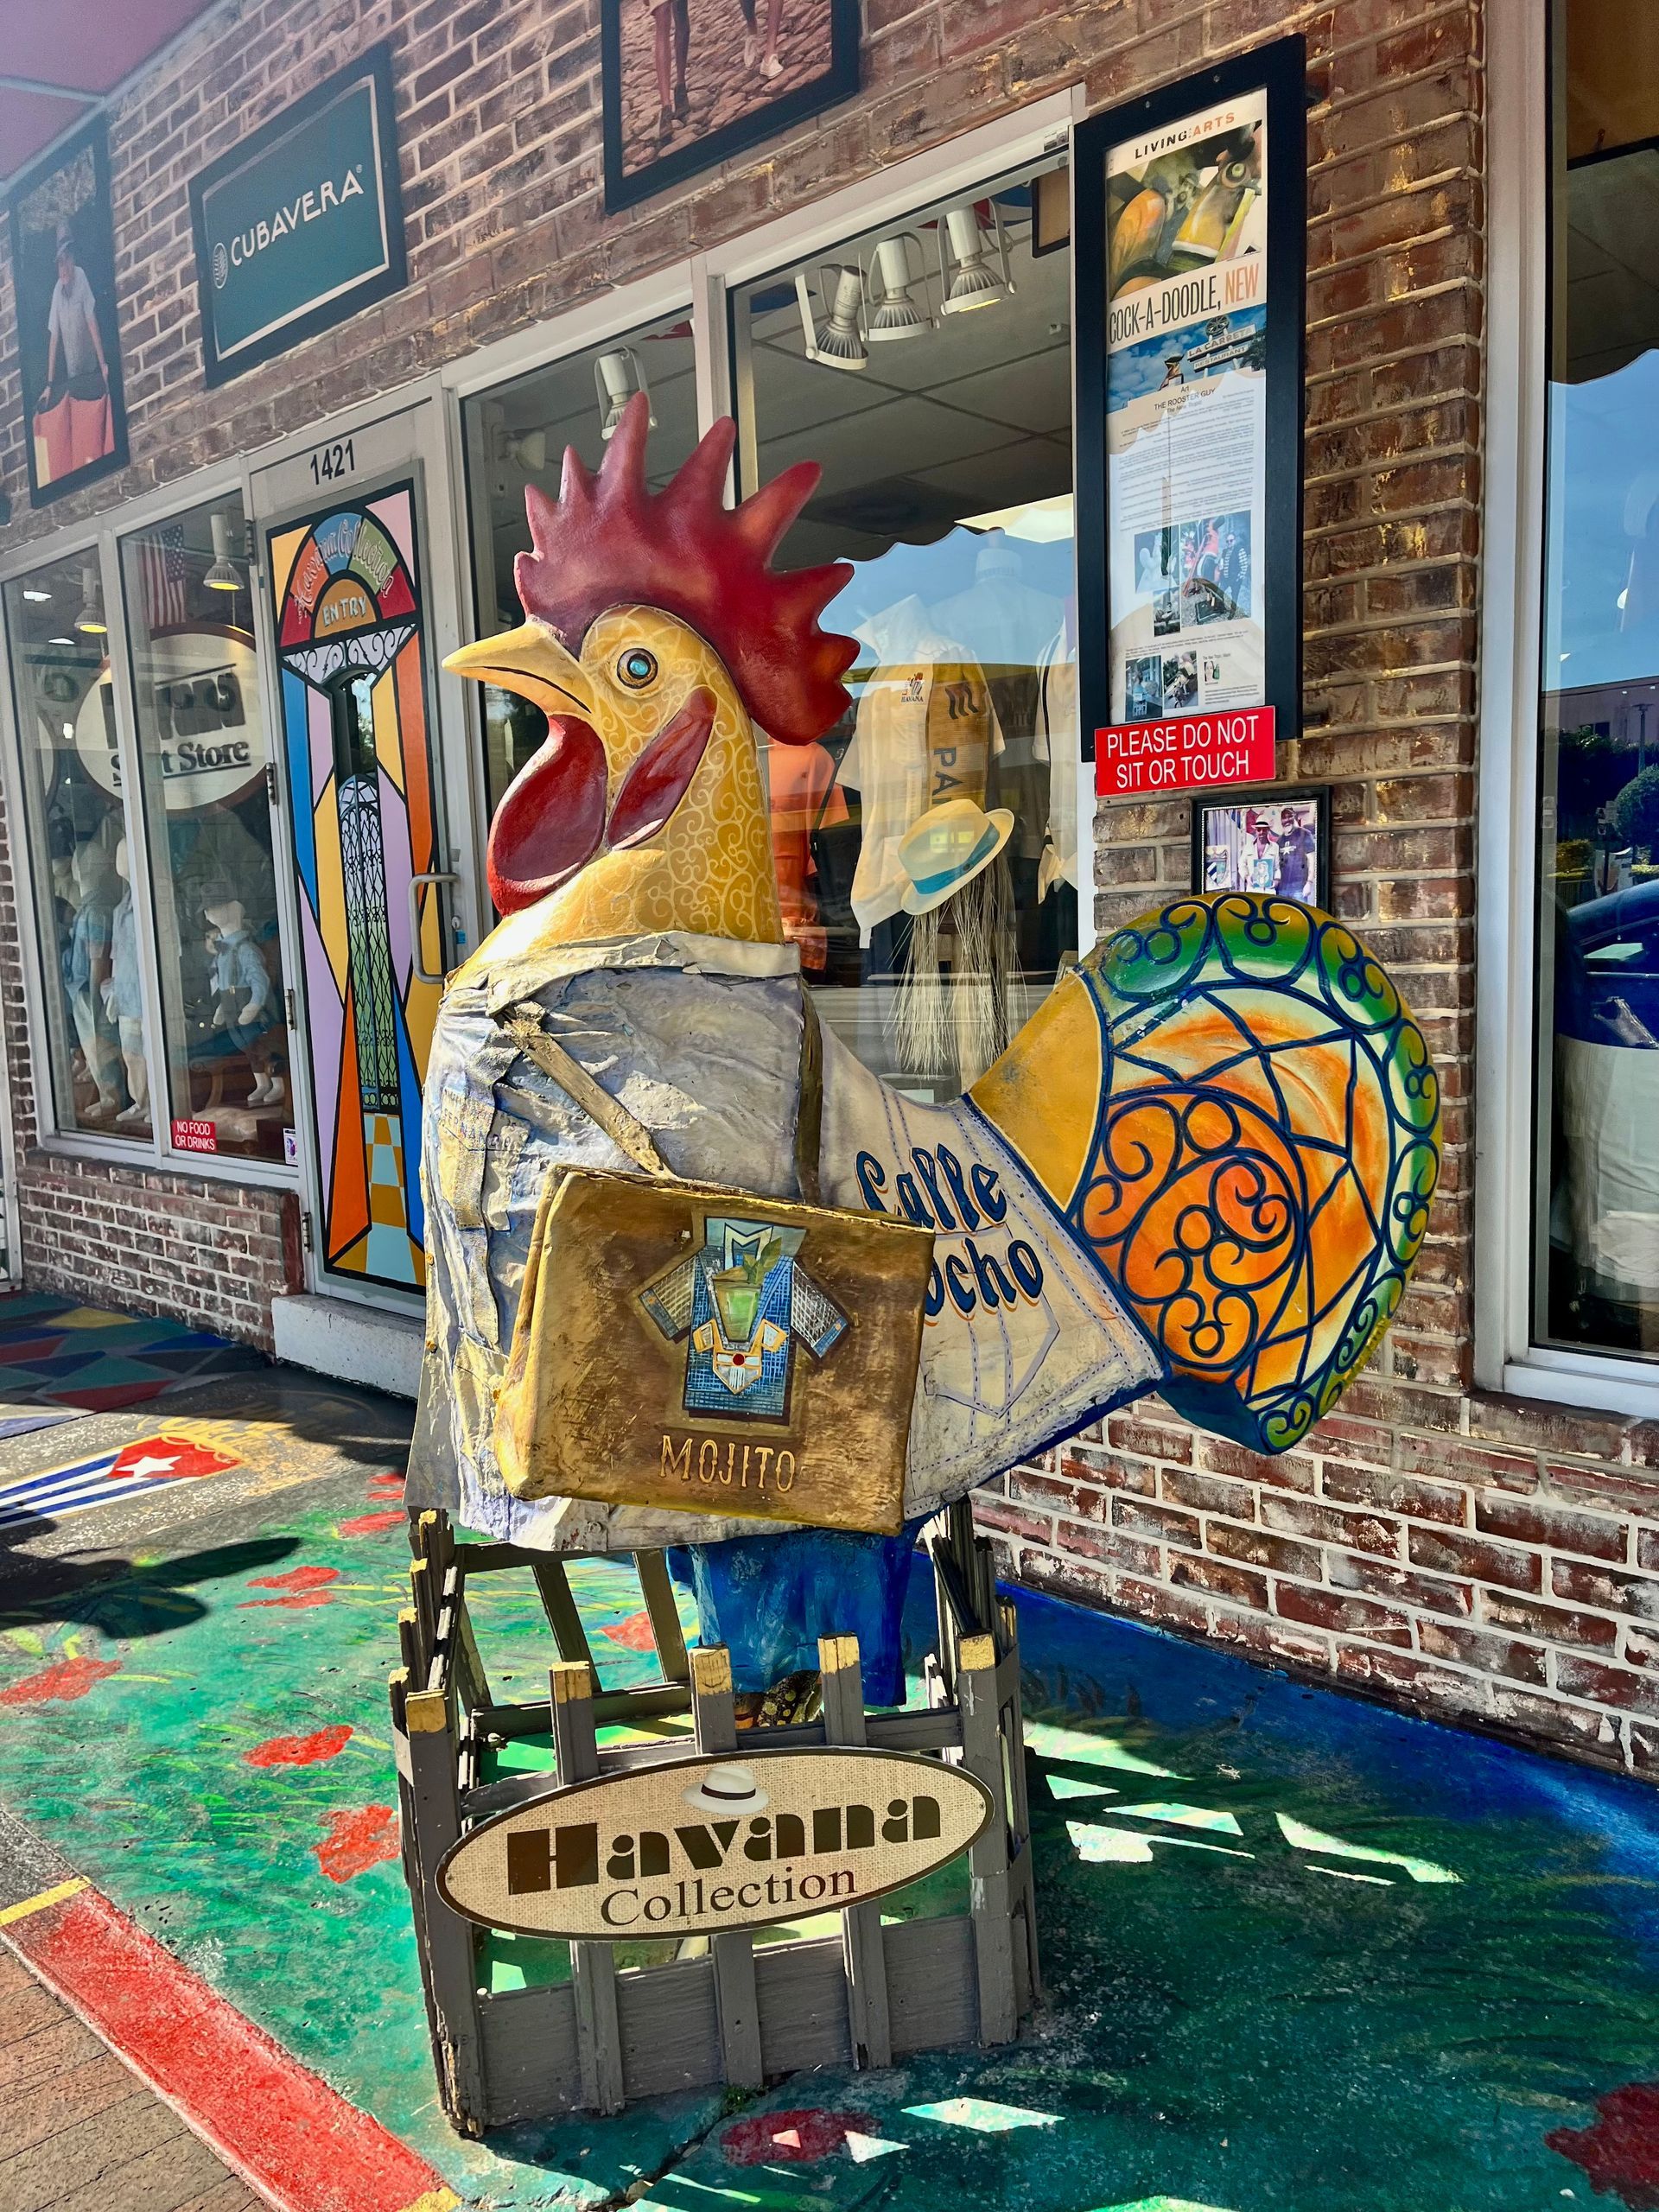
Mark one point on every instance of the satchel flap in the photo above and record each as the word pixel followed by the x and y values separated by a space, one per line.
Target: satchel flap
pixel 695 1348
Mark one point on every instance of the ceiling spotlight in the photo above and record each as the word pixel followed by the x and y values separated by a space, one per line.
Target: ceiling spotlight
pixel 896 312
pixel 90 620
pixel 529 451
pixel 224 575
pixel 840 345
pixel 617 377
pixel 964 251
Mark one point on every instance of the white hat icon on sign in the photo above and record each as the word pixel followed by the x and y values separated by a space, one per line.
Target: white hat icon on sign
pixel 729 1789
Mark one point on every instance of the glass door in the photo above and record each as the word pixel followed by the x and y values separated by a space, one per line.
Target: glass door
pixel 352 619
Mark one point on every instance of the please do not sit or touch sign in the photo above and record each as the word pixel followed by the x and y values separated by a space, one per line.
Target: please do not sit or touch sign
pixel 1186 752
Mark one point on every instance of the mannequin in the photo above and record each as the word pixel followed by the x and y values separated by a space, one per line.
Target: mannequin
pixel 90 891
pixel 123 1000
pixel 244 997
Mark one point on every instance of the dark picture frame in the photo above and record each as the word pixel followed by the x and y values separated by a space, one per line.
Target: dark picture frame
pixel 209 187
pixel 627 34
pixel 67 196
pixel 1260 800
pixel 1279 70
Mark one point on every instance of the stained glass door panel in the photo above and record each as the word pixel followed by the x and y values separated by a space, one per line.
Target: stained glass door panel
pixel 345 589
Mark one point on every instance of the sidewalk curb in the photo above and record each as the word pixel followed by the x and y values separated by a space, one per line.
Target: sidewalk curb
pixel 296 2142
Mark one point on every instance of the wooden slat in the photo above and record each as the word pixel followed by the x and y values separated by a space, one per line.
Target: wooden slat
pixel 988 1857
pixel 867 1972
pixel 529 2042
pixel 657 1587
pixel 801 2003
pixel 715 1715
pixel 561 1609
pixel 433 1819
pixel 930 1979
pixel 592 1969
pixel 669 2020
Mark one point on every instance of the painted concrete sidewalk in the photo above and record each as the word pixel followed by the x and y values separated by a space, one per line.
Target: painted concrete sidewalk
pixel 1300 1952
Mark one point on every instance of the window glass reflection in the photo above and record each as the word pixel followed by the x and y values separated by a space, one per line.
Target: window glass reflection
pixel 203 760
pixel 76 824
pixel 1598 1076
pixel 515 436
pixel 927 849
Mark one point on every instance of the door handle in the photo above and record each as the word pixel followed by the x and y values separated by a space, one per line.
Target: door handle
pixel 431 875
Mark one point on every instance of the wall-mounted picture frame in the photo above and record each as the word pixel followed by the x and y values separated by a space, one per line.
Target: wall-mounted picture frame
pixel 689 83
pixel 1190 246
pixel 68 342
pixel 1274 839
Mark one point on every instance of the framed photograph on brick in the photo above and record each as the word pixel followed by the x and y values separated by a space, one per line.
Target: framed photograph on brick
pixel 68 346
pixel 689 83
pixel 1275 840
pixel 1190 245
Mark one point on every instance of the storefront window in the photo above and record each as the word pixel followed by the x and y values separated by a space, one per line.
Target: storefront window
pixel 927 850
pixel 516 436
pixel 76 825
pixel 202 760
pixel 1598 814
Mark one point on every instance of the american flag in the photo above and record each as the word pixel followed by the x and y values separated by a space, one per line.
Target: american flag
pixel 164 576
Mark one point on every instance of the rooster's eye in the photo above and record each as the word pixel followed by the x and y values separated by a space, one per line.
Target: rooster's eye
pixel 637 667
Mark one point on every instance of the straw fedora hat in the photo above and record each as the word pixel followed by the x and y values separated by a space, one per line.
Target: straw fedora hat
pixel 947 846
pixel 731 1790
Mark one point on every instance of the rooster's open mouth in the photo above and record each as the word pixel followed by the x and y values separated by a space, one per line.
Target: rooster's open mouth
pixel 553 819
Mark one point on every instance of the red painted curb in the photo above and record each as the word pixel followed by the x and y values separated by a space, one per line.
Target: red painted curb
pixel 298 2142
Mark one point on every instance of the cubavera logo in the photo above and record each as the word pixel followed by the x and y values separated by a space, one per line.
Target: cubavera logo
pixel 693 1846
pixel 307 207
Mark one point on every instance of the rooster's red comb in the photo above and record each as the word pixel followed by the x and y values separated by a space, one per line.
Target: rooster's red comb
pixel 608 542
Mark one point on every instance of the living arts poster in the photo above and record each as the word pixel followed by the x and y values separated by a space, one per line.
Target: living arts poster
pixel 1186 244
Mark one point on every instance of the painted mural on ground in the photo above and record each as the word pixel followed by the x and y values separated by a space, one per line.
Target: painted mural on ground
pixel 1299 1951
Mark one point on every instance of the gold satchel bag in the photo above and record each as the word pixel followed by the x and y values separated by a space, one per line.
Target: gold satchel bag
pixel 698 1349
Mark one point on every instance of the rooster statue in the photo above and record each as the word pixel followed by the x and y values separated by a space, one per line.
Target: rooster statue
pixel 1203 1167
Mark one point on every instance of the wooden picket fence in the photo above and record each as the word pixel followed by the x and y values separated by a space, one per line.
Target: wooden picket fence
pixel 737 2013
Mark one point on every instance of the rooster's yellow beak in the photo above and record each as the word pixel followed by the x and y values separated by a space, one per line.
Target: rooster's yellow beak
pixel 531 661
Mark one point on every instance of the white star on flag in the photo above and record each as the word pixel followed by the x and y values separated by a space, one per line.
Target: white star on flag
pixel 151 1464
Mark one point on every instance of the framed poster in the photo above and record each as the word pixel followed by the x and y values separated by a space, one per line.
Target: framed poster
pixel 63 270
pixel 687 85
pixel 1275 841
pixel 302 224
pixel 1191 213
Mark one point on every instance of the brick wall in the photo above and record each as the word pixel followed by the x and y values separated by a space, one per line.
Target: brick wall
pixel 1457 1553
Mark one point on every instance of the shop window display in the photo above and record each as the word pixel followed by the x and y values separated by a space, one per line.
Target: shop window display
pixel 515 436
pixel 76 823
pixel 202 757
pixel 927 850
pixel 1598 1226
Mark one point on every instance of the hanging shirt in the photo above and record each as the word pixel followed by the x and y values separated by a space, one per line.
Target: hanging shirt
pixel 926 730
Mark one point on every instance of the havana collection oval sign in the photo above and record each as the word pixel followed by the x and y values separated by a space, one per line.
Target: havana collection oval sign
pixel 696 1847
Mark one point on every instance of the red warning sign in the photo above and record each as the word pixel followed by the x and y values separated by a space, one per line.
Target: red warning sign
pixel 1188 752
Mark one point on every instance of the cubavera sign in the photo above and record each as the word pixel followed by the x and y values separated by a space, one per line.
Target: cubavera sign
pixel 303 223
pixel 697 1846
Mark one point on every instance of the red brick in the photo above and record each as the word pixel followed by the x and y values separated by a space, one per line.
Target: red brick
pixel 1604 1586
pixel 1255 1547
pixel 1554 1624
pixel 1394 1493
pixel 1475 1556
pixel 1343 1616
pixel 1493 1655
pixel 1531 1521
pixel 1627 1688
pixel 1420 1683
pixel 1142 1518
pixel 1375 1578
pixel 1207 1493
pixel 1236 1584
pixel 1298 1516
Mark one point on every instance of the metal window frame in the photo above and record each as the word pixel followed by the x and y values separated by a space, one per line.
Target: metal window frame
pixel 892 195
pixel 1507 1358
